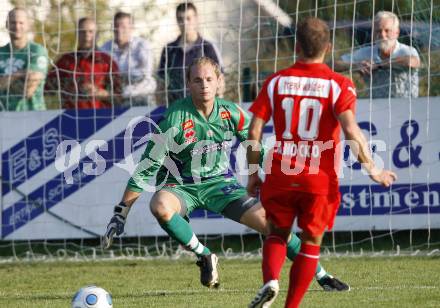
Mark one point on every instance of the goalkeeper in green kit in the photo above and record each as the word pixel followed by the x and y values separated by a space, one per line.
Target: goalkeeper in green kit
pixel 189 157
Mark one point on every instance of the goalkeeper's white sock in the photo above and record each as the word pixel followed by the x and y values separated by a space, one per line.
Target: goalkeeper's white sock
pixel 195 245
pixel 322 273
pixel 180 230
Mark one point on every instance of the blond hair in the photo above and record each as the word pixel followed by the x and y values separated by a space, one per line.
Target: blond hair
pixel 202 61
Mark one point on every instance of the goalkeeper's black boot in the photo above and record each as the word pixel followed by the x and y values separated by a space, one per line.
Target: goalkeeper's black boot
pixel 208 270
pixel 266 295
pixel 330 283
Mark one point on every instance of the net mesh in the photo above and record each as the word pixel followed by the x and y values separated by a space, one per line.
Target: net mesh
pixel 45 218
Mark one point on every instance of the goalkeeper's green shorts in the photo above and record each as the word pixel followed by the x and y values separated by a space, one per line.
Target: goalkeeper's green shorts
pixel 219 195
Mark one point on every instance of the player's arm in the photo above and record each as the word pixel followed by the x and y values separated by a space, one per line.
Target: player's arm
pixel 243 120
pixel 360 61
pixel 7 81
pixel 409 61
pixel 254 149
pixel 342 66
pixel 346 62
pixel 359 147
pixel 262 111
pixel 404 61
pixel 364 67
pixel 120 213
pixel 95 92
pixel 33 80
pixel 37 72
pixel 152 159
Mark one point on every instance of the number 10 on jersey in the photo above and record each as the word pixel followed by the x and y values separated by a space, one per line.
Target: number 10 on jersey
pixel 308 119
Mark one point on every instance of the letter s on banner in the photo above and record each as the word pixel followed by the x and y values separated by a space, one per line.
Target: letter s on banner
pixel 92 152
pixel 50 142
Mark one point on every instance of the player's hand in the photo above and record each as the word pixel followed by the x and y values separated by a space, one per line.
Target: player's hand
pixel 116 224
pixel 253 186
pixel 365 67
pixel 94 91
pixel 384 177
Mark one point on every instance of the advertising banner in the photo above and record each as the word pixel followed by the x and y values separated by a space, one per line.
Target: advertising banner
pixel 50 191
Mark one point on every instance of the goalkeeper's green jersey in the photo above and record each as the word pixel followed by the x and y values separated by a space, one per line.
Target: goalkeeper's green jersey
pixel 189 148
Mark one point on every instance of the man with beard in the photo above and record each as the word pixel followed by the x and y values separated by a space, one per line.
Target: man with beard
pixel 388 65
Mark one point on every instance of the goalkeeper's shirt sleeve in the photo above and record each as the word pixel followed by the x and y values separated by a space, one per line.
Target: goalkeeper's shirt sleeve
pixel 242 120
pixel 152 158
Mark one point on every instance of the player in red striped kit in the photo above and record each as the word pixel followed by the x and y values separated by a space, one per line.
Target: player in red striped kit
pixel 308 103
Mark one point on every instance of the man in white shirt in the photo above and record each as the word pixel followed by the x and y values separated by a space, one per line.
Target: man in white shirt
pixel 390 68
pixel 135 61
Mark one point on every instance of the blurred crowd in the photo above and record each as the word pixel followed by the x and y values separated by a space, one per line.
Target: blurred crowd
pixel 121 72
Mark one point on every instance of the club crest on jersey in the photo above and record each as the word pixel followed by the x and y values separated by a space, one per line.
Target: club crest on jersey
pixel 225 115
pixel 187 124
pixel 190 136
pixel 191 140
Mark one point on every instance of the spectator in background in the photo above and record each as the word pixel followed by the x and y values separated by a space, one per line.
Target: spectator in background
pixel 177 55
pixel 392 66
pixel 86 78
pixel 23 67
pixel 135 61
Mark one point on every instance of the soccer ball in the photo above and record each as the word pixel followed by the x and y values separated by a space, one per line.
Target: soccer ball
pixel 92 297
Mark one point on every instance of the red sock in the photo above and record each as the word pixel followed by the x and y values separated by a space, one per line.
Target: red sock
pixel 274 254
pixel 301 274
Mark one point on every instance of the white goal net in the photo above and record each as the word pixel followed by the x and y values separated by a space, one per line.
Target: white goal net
pixel 91 96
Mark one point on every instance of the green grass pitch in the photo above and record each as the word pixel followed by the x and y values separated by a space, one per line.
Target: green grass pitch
pixel 375 281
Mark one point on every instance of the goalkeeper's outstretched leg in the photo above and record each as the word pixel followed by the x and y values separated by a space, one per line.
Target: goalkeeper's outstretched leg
pixel 170 207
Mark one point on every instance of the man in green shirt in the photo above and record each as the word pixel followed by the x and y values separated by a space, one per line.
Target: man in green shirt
pixel 23 67
pixel 189 154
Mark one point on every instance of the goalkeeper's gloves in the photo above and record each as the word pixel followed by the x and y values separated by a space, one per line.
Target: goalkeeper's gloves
pixel 116 224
